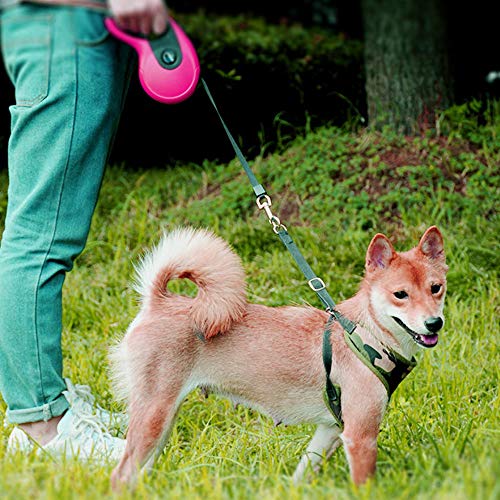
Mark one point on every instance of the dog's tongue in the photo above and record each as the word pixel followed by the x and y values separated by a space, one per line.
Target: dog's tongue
pixel 429 340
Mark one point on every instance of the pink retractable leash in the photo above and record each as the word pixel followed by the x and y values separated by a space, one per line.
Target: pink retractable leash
pixel 168 65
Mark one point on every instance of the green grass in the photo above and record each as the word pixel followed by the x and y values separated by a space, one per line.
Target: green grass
pixel 334 190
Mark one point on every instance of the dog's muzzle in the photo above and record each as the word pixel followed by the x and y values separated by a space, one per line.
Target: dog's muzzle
pixel 433 324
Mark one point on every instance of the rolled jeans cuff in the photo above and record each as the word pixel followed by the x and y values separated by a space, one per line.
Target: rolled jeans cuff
pixel 45 412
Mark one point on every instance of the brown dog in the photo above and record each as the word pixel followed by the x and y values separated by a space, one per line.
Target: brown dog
pixel 271 358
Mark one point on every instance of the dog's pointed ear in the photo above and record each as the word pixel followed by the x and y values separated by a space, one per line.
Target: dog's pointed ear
pixel 380 253
pixel 432 245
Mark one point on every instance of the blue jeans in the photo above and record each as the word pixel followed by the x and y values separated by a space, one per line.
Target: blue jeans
pixel 70 81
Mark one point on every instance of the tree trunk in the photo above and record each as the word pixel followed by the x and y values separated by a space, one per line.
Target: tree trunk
pixel 406 61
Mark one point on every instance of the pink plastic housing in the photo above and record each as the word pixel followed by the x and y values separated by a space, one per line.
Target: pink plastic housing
pixel 168 86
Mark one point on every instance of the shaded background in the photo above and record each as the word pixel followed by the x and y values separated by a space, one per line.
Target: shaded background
pixel 265 105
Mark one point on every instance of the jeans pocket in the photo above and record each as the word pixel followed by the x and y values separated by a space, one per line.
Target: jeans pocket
pixel 89 27
pixel 26 47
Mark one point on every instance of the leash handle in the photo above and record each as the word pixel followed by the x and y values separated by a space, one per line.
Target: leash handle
pixel 264 203
pixel 168 65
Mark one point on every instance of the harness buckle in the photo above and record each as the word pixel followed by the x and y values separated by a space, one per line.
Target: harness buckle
pixel 320 284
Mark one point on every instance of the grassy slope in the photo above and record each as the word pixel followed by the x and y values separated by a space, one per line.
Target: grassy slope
pixel 335 191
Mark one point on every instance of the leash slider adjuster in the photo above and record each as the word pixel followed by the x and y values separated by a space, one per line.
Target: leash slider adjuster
pixel 316 284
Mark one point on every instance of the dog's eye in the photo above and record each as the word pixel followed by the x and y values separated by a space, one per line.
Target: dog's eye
pixel 401 294
pixel 435 289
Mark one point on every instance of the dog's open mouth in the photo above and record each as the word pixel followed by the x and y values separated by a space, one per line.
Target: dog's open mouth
pixel 424 340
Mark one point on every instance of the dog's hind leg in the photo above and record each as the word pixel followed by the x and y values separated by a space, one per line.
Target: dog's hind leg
pixel 151 420
pixel 325 440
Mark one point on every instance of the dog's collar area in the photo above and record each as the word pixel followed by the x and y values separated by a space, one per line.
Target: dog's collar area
pixel 368 355
pixel 424 340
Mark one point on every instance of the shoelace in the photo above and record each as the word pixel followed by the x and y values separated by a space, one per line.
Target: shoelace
pixel 86 422
pixel 83 393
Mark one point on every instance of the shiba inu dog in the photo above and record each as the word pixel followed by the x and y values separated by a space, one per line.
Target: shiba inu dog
pixel 271 358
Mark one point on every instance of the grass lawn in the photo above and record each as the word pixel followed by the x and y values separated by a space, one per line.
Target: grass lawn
pixel 334 190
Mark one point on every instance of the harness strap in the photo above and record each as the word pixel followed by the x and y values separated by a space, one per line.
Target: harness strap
pixel 368 355
pixel 331 392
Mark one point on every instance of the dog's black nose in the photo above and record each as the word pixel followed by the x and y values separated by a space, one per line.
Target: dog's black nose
pixel 433 324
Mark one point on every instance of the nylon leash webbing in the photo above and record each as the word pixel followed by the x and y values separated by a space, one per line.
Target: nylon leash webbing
pixel 264 202
pixel 257 187
pixel 331 392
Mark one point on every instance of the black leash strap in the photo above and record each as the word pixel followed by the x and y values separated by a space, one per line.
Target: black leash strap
pixel 257 187
pixel 315 283
pixel 264 202
pixel 331 391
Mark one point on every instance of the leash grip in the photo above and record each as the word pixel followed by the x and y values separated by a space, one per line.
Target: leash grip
pixel 169 69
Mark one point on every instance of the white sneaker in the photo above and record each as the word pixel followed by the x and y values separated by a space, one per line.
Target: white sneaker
pixel 19 442
pixel 82 432
pixel 82 392
pixel 79 435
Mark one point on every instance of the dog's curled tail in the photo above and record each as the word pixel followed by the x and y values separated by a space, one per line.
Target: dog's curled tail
pixel 206 260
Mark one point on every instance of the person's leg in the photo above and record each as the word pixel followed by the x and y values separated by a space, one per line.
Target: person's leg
pixel 70 78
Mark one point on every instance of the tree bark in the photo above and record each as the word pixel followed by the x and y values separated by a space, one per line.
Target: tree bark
pixel 406 61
